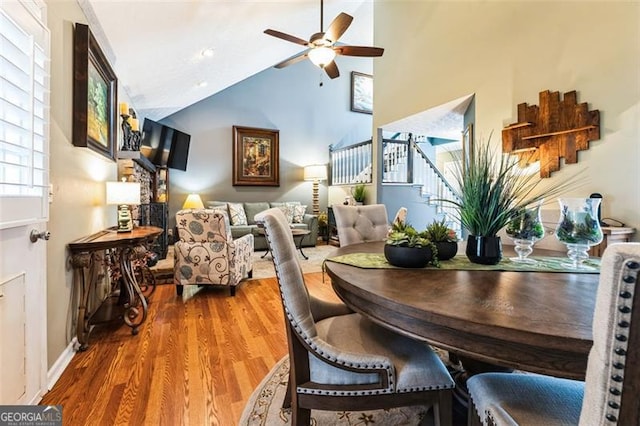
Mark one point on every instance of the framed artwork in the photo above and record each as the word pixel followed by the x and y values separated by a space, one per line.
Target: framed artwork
pixel 361 92
pixel 467 146
pixel 256 159
pixel 94 95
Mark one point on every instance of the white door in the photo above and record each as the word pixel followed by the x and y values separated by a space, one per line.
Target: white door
pixel 24 130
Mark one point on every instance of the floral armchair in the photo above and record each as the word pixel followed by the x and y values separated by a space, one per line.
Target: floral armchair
pixel 206 254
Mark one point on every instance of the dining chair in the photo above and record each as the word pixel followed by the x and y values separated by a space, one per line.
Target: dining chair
pixel 339 360
pixel 360 224
pixel 609 394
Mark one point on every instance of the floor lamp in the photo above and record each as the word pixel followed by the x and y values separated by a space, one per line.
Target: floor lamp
pixel 315 173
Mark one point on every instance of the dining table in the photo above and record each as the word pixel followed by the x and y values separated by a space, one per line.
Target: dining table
pixel 533 320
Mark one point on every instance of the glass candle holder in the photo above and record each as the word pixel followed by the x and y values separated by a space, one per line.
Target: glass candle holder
pixel 578 228
pixel 525 229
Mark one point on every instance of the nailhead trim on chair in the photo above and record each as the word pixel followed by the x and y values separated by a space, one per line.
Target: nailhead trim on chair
pixel 389 369
pixel 629 279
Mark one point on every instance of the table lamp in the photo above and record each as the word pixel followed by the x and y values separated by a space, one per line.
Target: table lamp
pixel 193 201
pixel 315 173
pixel 123 194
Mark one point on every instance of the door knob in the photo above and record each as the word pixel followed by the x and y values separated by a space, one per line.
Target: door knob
pixel 35 235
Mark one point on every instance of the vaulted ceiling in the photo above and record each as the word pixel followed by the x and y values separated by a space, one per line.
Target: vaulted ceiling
pixel 171 54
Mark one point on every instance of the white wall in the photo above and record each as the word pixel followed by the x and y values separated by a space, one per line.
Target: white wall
pixel 506 53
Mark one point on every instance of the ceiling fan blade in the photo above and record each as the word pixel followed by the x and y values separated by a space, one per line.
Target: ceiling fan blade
pixel 287 37
pixel 358 50
pixel 292 60
pixel 338 26
pixel 332 70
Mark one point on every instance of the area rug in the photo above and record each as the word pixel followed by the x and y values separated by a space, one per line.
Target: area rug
pixel 264 407
pixel 262 267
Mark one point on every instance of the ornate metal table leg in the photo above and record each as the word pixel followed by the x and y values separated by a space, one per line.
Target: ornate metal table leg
pixel 301 237
pixel 84 277
pixel 132 316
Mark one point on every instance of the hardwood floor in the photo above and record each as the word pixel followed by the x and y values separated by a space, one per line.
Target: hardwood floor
pixel 195 361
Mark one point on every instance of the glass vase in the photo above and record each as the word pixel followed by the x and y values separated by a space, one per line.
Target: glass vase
pixel 578 228
pixel 525 229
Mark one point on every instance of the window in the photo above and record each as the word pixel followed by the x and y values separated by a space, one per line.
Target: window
pixel 24 99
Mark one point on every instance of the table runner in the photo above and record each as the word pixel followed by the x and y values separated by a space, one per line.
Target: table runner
pixel 461 262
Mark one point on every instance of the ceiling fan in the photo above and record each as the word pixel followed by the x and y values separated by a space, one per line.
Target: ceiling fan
pixel 322 48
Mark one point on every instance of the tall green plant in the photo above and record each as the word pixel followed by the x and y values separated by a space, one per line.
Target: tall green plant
pixel 493 189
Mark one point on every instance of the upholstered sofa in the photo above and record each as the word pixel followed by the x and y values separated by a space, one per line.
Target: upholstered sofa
pixel 241 217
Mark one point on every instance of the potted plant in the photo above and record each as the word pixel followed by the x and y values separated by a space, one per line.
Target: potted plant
pixel 444 238
pixel 358 192
pixel 323 225
pixel 492 190
pixel 408 248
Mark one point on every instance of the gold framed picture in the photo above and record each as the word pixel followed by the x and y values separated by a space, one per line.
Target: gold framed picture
pixel 256 160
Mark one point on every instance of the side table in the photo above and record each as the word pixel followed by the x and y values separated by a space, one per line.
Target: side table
pixel 128 301
pixel 612 234
pixel 298 236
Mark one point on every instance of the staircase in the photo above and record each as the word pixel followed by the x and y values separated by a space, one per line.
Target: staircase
pixel 403 164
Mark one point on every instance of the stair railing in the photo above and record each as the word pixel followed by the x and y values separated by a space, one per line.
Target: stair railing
pixel 351 164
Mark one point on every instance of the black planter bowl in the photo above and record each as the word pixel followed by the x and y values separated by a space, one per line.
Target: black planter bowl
pixel 484 250
pixel 408 257
pixel 446 249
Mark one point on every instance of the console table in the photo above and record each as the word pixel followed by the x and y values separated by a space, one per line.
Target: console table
pixel 126 299
pixel 612 234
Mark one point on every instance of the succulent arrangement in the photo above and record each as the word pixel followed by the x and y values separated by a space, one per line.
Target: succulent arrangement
pixel 403 234
pixel 438 231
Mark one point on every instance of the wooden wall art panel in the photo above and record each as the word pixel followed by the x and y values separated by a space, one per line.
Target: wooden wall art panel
pixel 557 128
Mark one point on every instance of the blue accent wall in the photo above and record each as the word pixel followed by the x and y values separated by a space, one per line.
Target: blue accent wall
pixel 308 116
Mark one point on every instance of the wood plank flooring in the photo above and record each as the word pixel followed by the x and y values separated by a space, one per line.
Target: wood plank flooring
pixel 195 361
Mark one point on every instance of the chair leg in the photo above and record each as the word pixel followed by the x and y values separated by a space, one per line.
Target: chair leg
pixel 232 290
pixel 300 416
pixel 250 274
pixel 443 409
pixel 286 402
pixel 472 415
pixel 179 289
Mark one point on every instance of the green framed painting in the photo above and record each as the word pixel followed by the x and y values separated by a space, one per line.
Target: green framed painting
pixel 94 95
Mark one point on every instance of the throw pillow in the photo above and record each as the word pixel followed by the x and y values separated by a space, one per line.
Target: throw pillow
pixel 298 213
pixel 237 215
pixel 288 212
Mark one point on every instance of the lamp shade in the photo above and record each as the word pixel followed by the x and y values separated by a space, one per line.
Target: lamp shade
pixel 193 201
pixel 315 172
pixel 123 193
pixel 321 56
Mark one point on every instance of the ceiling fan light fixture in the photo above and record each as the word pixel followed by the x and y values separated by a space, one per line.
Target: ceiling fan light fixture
pixel 321 56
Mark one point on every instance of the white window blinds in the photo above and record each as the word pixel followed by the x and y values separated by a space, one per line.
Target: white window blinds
pixel 24 99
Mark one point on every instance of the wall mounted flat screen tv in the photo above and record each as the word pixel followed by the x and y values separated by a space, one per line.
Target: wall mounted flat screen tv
pixel 164 146
pixel 179 150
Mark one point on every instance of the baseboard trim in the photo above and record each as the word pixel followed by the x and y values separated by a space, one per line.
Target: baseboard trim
pixel 61 363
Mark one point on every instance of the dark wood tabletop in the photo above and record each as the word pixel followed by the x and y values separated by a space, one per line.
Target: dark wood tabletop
pixel 110 238
pixel 533 321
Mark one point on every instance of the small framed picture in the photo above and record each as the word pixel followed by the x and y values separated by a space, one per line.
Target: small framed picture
pixel 256 160
pixel 361 92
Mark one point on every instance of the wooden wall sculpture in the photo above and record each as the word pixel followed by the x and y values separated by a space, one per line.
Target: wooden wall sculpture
pixel 557 128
